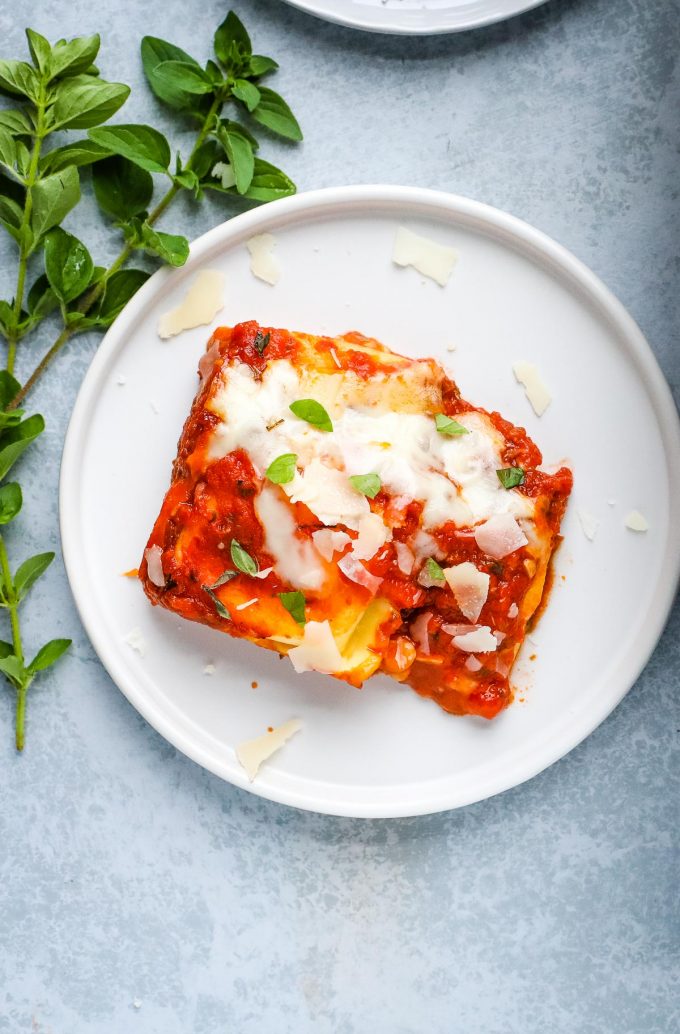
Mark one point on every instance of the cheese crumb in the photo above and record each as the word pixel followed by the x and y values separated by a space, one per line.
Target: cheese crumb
pixel 209 669
pixel 252 753
pixel 154 407
pixel 636 521
pixel 248 603
pixel 136 641
pixel 588 523
pixel 200 305
pixel 535 390
pixel 433 260
pixel 121 380
pixel 137 1003
pixel 263 265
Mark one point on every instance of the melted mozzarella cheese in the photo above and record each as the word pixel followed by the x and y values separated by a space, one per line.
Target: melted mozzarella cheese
pixel 296 559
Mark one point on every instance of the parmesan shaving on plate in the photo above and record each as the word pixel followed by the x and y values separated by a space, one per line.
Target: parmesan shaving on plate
pixel 252 753
pixel 318 650
pixel 535 390
pixel 372 535
pixel 136 641
pixel 263 265
pixel 200 305
pixel 482 640
pixel 329 542
pixel 500 535
pixel 472 664
pixel 405 557
pixel 154 564
pixel 356 572
pixel 589 524
pixel 209 669
pixel 469 586
pixel 636 521
pixel 433 260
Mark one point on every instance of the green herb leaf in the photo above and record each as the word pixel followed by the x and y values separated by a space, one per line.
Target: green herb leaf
pixel 9 386
pixel 29 572
pixel 40 49
pixel 510 477
pixel 260 65
pixel 120 288
pixel 16 440
pixel 432 572
pixel 232 44
pixel 122 189
pixel 156 52
pixel 9 153
pixel 367 484
pixel 261 341
pixel 10 502
pixel 269 183
pixel 170 247
pixel 16 122
pixel 243 561
pixel 81 152
pixel 41 300
pixel 48 654
pixel 294 602
pixel 183 77
pixel 273 112
pixel 18 79
pixel 225 577
pixel 14 669
pixel 281 471
pixel 447 425
pixel 83 102
pixel 68 264
pixel 313 412
pixel 140 144
pixel 74 56
pixel 247 93
pixel 6 649
pixel 219 606
pixel 239 150
pixel 53 199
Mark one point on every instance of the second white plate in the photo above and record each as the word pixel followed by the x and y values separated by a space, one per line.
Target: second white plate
pixel 415 17
pixel 514 294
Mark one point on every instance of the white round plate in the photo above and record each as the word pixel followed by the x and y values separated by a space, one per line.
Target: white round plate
pixel 514 294
pixel 415 17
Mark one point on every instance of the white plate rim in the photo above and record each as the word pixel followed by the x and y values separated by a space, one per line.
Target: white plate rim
pixel 529 241
pixel 405 23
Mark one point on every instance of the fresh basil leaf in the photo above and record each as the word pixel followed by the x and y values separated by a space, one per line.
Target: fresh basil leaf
pixel 313 412
pixel 232 44
pixel 18 79
pixel 239 151
pixel 73 57
pixel 53 198
pixel 225 577
pixel 281 471
pixel 15 440
pixel 170 247
pixel 9 152
pixel 48 654
pixel 367 484
pixel 260 65
pixel 13 668
pixel 68 264
pixel 273 112
pixel 186 78
pixel 9 386
pixel 41 299
pixel 432 572
pixel 188 179
pixel 156 52
pixel 219 606
pixel 16 122
pixel 84 101
pixel 40 49
pixel 294 602
pixel 447 425
pixel 120 287
pixel 243 561
pixel 140 144
pixel 80 152
pixel 261 341
pixel 122 189
pixel 247 93
pixel 29 572
pixel 10 502
pixel 6 649
pixel 205 158
pixel 269 183
pixel 10 216
pixel 510 477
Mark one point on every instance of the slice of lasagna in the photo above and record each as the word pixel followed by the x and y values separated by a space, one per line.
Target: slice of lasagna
pixel 343 505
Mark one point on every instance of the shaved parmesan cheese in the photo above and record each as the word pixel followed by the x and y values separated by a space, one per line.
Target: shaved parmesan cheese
pixel 500 535
pixel 433 260
pixel 263 265
pixel 535 390
pixel 470 587
pixel 136 641
pixel 258 574
pixel 589 524
pixel 209 669
pixel 482 640
pixel 499 636
pixel 329 542
pixel 459 629
pixel 328 494
pixel 248 603
pixel 419 632
pixel 372 535
pixel 334 356
pixel 405 557
pixel 318 650
pixel 472 664
pixel 513 610
pixel 200 305
pixel 356 572
pixel 636 521
pixel 154 565
pixel 252 753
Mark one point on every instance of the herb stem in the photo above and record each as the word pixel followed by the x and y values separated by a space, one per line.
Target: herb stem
pixel 13 608
pixel 25 249
pixel 96 292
